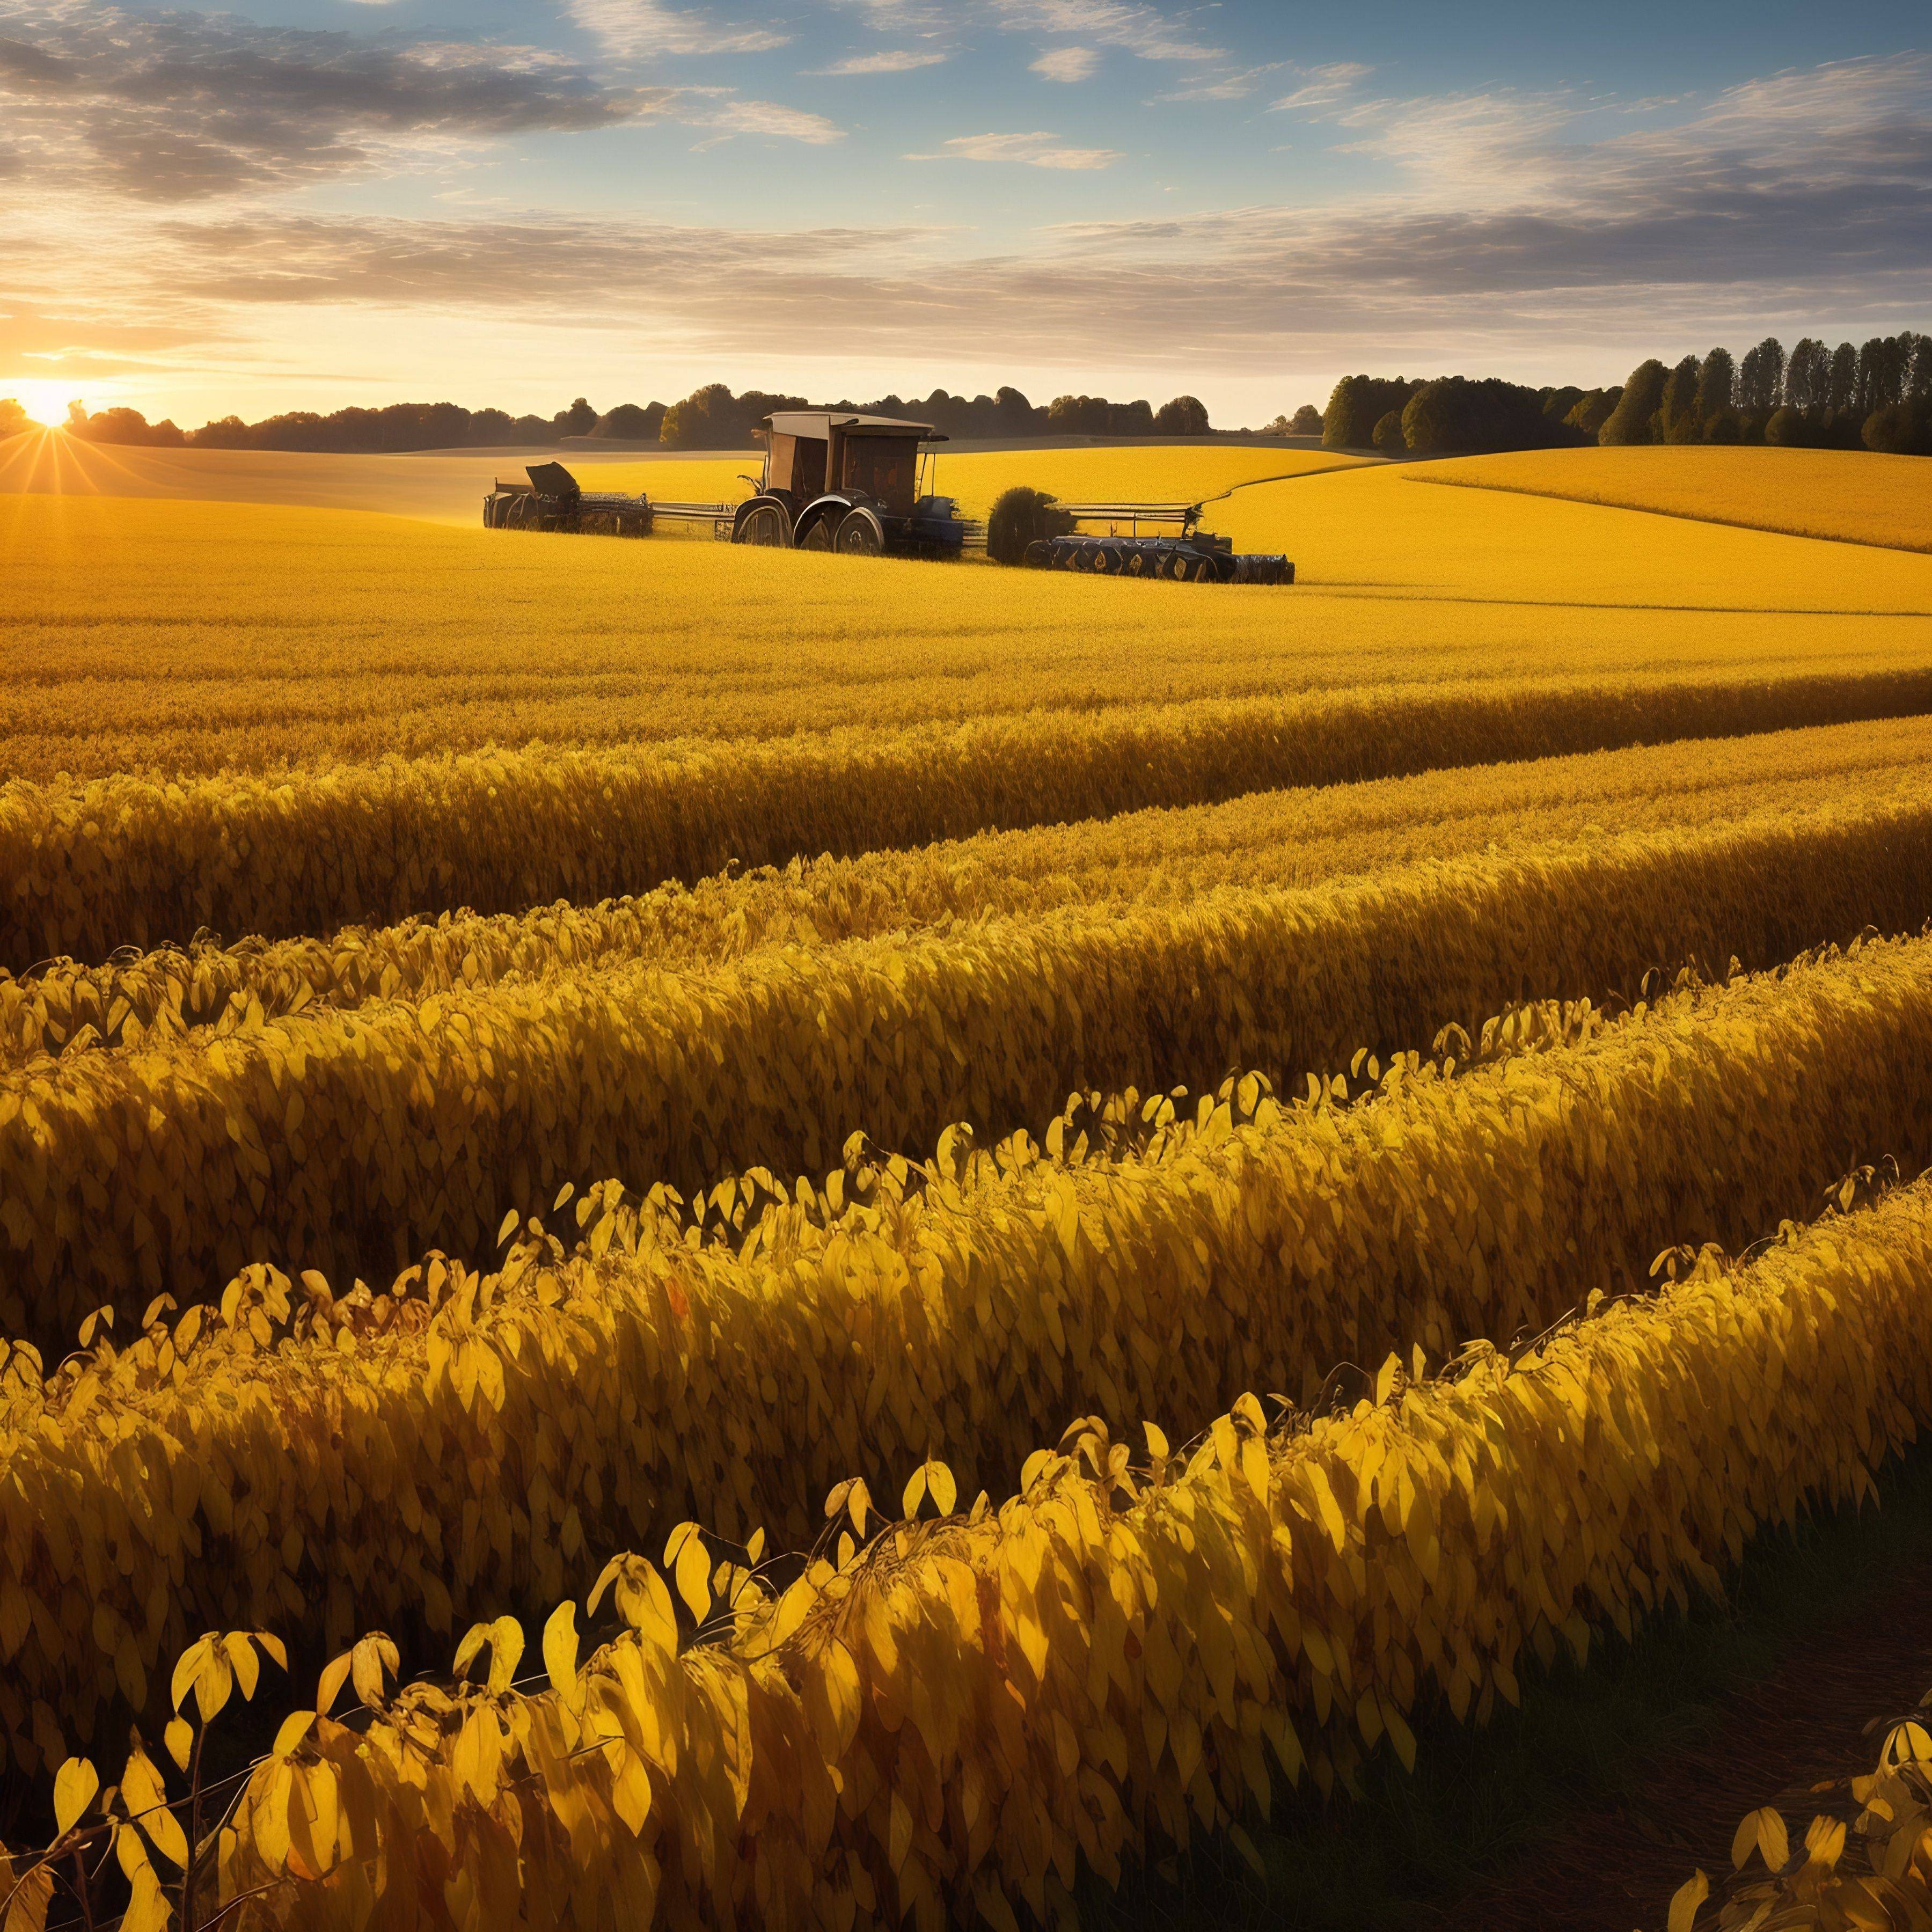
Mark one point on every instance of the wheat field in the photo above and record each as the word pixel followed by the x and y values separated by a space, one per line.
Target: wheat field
pixel 850 1242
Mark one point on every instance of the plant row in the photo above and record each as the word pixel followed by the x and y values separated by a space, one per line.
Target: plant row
pixel 970 1717
pixel 351 1141
pixel 126 861
pixel 316 1462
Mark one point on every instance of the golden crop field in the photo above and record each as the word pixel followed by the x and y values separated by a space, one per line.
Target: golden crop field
pixel 851 1242
pixel 1851 496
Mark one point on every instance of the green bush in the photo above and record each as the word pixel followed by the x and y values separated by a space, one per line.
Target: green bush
pixel 1019 516
pixel 1388 437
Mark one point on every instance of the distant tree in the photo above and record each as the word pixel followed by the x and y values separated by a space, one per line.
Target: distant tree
pixel 121 425
pixel 1306 421
pixel 1593 409
pixel 1357 404
pixel 710 418
pixel 1677 417
pixel 628 423
pixel 1786 429
pixel 580 419
pixel 1633 420
pixel 1387 435
pixel 1724 426
pixel 1135 418
pixel 1918 378
pixel 1842 386
pixel 1901 428
pixel 1016 415
pixel 1183 415
pixel 13 419
pixel 1021 516
pixel 1717 384
pixel 1460 413
pixel 1761 377
pixel 1808 380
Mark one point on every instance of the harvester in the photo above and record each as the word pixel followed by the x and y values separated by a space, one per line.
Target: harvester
pixel 838 479
pixel 1171 545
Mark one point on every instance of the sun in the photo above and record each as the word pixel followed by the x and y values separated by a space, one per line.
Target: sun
pixel 45 402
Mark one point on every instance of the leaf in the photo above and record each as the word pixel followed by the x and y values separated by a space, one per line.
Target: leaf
pixel 507 1228
pixel 188 1667
pixel 1684 1902
pixel 940 1487
pixel 296 1726
pixel 75 1785
pixel 329 1685
pixel 1157 1442
pixel 559 1648
pixel 915 1493
pixel 241 1655
pixel 179 1738
pixel 32 1896
pixel 273 1646
pixel 372 1656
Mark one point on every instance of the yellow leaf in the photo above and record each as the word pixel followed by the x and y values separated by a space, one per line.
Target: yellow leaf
pixel 915 1493
pixel 179 1738
pixel 147 1801
pixel 296 1726
pixel 1684 1903
pixel 75 1785
pixel 1157 1442
pixel 559 1648
pixel 329 1685
pixel 188 1667
pixel 241 1655
pixel 273 1646
pixel 940 1487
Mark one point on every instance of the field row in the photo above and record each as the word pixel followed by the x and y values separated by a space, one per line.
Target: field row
pixel 1135 1647
pixel 350 1142
pixel 313 1463
pixel 123 861
pixel 178 638
pixel 1158 857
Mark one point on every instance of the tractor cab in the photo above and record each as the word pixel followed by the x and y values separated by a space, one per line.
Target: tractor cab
pixel 839 479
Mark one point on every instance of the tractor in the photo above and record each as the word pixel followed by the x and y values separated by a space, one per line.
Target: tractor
pixel 840 480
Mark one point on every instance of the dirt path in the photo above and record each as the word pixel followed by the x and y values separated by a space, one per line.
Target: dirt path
pixel 1613 1868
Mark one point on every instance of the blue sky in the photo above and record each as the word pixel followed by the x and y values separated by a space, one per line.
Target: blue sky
pixel 305 202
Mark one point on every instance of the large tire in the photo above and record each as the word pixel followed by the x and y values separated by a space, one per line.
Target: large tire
pixel 1038 555
pixel 860 533
pixel 764 525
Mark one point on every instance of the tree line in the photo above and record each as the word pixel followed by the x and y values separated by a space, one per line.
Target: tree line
pixel 710 418
pixel 1878 396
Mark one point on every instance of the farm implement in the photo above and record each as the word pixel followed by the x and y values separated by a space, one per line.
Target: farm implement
pixel 552 499
pixel 1151 540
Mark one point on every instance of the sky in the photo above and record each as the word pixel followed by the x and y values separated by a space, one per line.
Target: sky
pixel 307 203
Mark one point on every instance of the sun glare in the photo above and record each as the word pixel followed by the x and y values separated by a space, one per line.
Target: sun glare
pixel 45 402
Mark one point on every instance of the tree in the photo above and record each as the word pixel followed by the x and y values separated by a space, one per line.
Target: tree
pixel 628 423
pixel 1901 428
pixel 580 419
pixel 1807 382
pixel 1358 403
pixel 1842 386
pixel 1717 384
pixel 1787 429
pixel 1723 426
pixel 1761 377
pixel 1020 517
pixel 1918 378
pixel 13 419
pixel 121 425
pixel 1677 417
pixel 1593 409
pixel 1632 421
pixel 708 418
pixel 1183 415
pixel 1459 413
pixel 1306 421
pixel 1388 437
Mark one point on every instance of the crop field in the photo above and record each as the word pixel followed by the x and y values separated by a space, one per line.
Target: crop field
pixel 765 1239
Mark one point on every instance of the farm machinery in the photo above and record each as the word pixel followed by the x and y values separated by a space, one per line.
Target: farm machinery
pixel 1171 545
pixel 552 499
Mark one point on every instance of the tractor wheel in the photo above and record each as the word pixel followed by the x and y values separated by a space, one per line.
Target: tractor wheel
pixel 1038 555
pixel 860 534
pixel 1107 560
pixel 765 525
pixel 819 536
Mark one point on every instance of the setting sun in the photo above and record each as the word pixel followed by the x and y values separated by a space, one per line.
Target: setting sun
pixel 45 402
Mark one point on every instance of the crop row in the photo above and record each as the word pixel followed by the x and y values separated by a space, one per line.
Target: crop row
pixel 350 1142
pixel 967 1717
pixel 410 1457
pixel 124 861
pixel 1159 856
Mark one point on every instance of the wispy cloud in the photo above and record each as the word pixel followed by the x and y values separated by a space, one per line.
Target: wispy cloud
pixel 1321 87
pixel 1153 33
pixel 1067 64
pixel 894 60
pixel 1034 151
pixel 639 30
pixel 1235 84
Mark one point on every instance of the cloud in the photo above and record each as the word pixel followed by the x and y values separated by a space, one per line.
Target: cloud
pixel 1321 87
pixel 900 60
pixel 771 117
pixel 1034 151
pixel 1235 84
pixel 1067 64
pixel 639 30
pixel 182 106
pixel 1152 33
